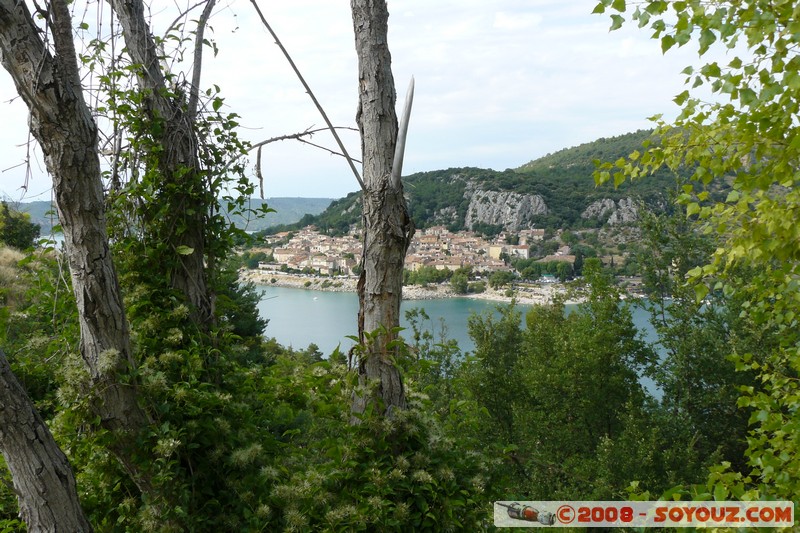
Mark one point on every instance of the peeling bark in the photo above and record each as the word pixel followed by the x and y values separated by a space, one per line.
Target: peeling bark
pixel 43 479
pixel 67 134
pixel 387 226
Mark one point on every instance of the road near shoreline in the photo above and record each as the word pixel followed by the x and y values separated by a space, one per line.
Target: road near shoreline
pixel 528 295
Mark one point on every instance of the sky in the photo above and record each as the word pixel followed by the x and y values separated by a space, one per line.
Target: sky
pixel 498 83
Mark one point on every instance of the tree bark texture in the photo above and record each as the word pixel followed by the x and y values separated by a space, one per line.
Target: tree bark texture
pixel 184 188
pixel 387 226
pixel 43 479
pixel 63 125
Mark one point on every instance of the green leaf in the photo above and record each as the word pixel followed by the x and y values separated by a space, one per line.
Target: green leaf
pixel 216 103
pixel 619 5
pixel 747 96
pixel 720 492
pixel 700 292
pixel 707 38
pixel 667 42
pixel 184 250
pixel 681 98
pixel 616 22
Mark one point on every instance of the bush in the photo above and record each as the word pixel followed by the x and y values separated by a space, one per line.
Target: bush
pixel 477 287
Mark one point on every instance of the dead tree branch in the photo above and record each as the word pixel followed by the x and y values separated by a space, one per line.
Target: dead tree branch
pixel 311 94
pixel 197 68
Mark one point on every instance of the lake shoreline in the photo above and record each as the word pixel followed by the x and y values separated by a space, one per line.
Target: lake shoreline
pixel 528 295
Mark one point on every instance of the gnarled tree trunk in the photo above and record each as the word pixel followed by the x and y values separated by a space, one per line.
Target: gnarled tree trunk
pixel 67 134
pixel 387 225
pixel 178 164
pixel 43 479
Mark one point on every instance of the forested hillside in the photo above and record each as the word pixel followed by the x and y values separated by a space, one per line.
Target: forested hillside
pixel 563 181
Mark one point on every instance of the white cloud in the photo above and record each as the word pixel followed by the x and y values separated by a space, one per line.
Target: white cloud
pixel 516 21
pixel 498 83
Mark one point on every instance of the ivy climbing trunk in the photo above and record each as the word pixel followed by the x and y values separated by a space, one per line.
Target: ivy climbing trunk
pixel 387 226
pixel 67 134
pixel 183 200
pixel 43 479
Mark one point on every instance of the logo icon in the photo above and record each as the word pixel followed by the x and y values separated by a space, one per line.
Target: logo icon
pixel 517 511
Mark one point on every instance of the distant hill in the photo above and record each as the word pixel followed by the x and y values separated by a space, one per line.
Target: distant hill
pixel 288 211
pixel 554 191
pixel 584 155
pixel 42 213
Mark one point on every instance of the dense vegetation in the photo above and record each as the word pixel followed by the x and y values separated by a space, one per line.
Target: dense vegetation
pixel 16 228
pixel 243 422
pixel 739 137
pixel 563 179
pixel 245 435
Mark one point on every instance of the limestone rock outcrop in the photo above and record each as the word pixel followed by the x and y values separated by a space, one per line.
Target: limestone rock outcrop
pixel 514 211
pixel 613 213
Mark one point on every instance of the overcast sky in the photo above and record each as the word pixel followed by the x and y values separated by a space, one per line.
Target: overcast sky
pixel 498 83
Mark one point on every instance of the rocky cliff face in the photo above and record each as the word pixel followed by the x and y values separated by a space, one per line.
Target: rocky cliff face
pixel 512 210
pixel 611 212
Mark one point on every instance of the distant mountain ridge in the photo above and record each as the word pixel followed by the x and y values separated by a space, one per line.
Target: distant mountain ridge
pixel 288 210
pixel 554 191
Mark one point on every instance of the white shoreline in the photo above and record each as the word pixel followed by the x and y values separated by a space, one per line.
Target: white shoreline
pixel 531 295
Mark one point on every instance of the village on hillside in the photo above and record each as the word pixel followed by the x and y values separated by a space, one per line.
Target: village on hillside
pixel 436 247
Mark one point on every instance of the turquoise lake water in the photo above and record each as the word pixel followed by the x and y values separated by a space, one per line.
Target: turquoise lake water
pixel 298 317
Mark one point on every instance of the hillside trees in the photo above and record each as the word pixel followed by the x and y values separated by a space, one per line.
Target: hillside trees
pixel 748 136
pixel 16 229
pixel 387 226
pixel 561 392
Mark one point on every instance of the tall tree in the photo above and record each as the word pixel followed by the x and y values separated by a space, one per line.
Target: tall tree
pixel 748 135
pixel 183 194
pixel 387 225
pixel 49 82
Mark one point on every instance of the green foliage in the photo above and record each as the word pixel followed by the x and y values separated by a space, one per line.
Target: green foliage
pixel 426 275
pixel 398 474
pixel 745 137
pixel 435 359
pixel 477 287
pixel 252 259
pixel 460 283
pixel 562 399
pixel 501 278
pixel 488 231
pixel 16 229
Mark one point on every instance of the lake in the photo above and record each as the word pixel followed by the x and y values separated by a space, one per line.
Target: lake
pixel 298 317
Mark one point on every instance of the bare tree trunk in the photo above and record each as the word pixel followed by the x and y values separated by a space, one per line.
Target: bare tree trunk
pixel 387 225
pixel 178 162
pixel 43 479
pixel 63 125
